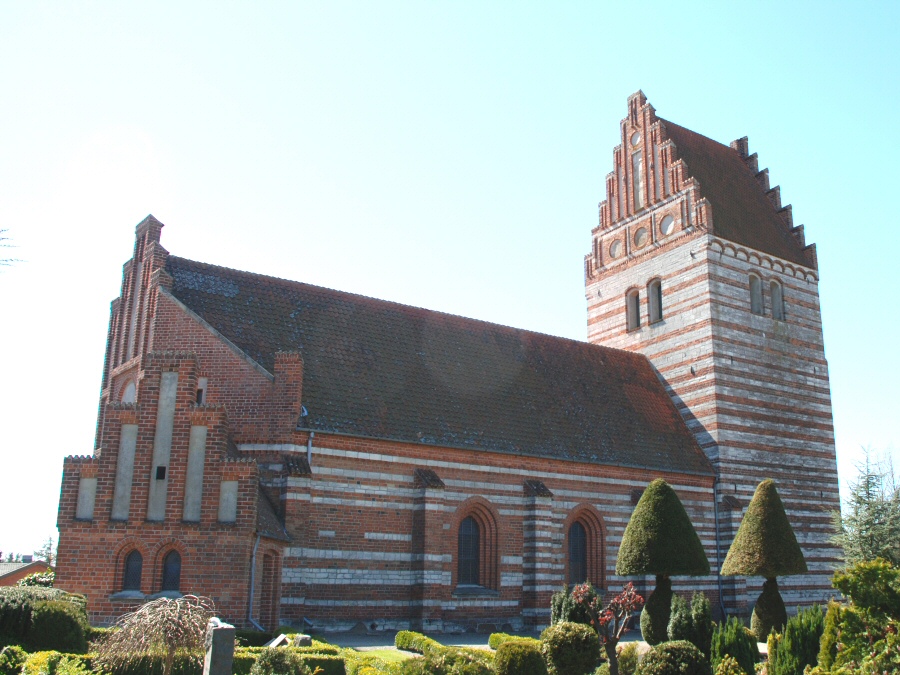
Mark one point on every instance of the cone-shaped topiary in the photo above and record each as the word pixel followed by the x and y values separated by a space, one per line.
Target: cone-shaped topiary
pixel 660 540
pixel 765 546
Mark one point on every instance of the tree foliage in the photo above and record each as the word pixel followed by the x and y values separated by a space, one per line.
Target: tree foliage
pixel 610 621
pixel 798 647
pixel 869 527
pixel 765 544
pixel 659 538
pixel 162 626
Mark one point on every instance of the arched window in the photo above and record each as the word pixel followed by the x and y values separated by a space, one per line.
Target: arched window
pixel 171 572
pixel 131 576
pixel 654 299
pixel 577 554
pixel 777 300
pixel 129 393
pixel 469 553
pixel 584 546
pixel 633 309
pixel 756 298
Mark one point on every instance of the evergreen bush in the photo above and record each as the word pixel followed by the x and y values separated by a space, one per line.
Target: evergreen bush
pixel 275 661
pixel 563 607
pixel 789 654
pixel 570 648
pixel 674 658
pixel 830 632
pixel 497 639
pixel 18 605
pixel 660 539
pixel 519 657
pixel 58 625
pixel 728 666
pixel 680 622
pixel 11 660
pixel 701 618
pixel 629 657
pixel 731 638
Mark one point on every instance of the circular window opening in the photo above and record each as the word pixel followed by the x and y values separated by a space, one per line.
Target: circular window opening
pixel 667 226
pixel 636 138
pixel 641 237
pixel 615 249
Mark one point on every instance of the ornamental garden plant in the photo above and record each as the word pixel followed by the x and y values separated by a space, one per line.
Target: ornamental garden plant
pixel 660 540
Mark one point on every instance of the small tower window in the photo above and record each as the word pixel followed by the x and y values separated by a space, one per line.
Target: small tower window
pixel 171 578
pixel 654 299
pixel 201 391
pixel 777 295
pixel 756 299
pixel 131 578
pixel 633 309
pixel 578 562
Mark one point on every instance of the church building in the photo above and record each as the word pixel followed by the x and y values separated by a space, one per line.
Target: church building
pixel 308 456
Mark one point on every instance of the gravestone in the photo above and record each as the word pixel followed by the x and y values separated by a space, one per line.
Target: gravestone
pixel 219 648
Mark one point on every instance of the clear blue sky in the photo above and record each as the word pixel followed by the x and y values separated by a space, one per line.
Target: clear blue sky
pixel 444 154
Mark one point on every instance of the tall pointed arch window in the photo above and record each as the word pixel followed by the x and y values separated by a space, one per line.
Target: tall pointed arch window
pixel 469 552
pixel 654 301
pixel 131 575
pixel 171 572
pixel 578 557
pixel 633 309
pixel 776 294
pixel 584 547
pixel 756 298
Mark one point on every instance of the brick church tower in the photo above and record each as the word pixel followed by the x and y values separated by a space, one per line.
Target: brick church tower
pixel 696 264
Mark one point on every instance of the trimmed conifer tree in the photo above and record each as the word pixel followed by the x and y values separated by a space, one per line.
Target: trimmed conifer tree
pixel 765 545
pixel 660 540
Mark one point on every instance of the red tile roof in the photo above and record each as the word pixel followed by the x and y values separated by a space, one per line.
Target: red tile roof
pixel 380 369
pixel 741 211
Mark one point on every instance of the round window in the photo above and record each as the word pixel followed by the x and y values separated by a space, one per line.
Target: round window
pixel 615 249
pixel 667 226
pixel 641 237
pixel 636 138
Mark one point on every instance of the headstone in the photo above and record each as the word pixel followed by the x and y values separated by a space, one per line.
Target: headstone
pixel 219 648
pixel 279 641
pixel 301 640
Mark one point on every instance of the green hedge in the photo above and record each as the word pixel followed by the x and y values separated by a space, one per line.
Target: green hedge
pixel 519 657
pixel 325 656
pixel 497 639
pixel 411 641
pixel 38 618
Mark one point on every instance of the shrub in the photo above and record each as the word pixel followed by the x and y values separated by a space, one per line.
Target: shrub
pixel 674 658
pixel 18 605
pixel 728 666
pixel 44 579
pixel 732 639
pixel 570 648
pixel 414 666
pixel 59 625
pixel 680 623
pixel 458 661
pixel 11 660
pixel 799 646
pixel 411 641
pixel 830 632
pixel 629 657
pixel 497 639
pixel 275 661
pixel 564 607
pixel 602 669
pixel 769 613
pixel 519 657
pixel 701 618
pixel 656 613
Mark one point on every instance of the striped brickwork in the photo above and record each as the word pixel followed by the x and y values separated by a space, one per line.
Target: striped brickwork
pixel 753 389
pixel 372 545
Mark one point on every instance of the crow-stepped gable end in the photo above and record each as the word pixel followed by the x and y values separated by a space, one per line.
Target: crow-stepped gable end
pixel 307 456
pixel 697 265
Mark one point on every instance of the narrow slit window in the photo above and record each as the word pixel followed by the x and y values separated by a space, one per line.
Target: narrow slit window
pixel 637 175
pixel 654 298
pixel 633 309
pixel 756 299
pixel 777 295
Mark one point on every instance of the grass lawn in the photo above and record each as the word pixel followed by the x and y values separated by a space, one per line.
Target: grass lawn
pixel 388 655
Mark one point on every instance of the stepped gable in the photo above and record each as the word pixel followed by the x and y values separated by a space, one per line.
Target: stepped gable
pixel 742 213
pixel 384 370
